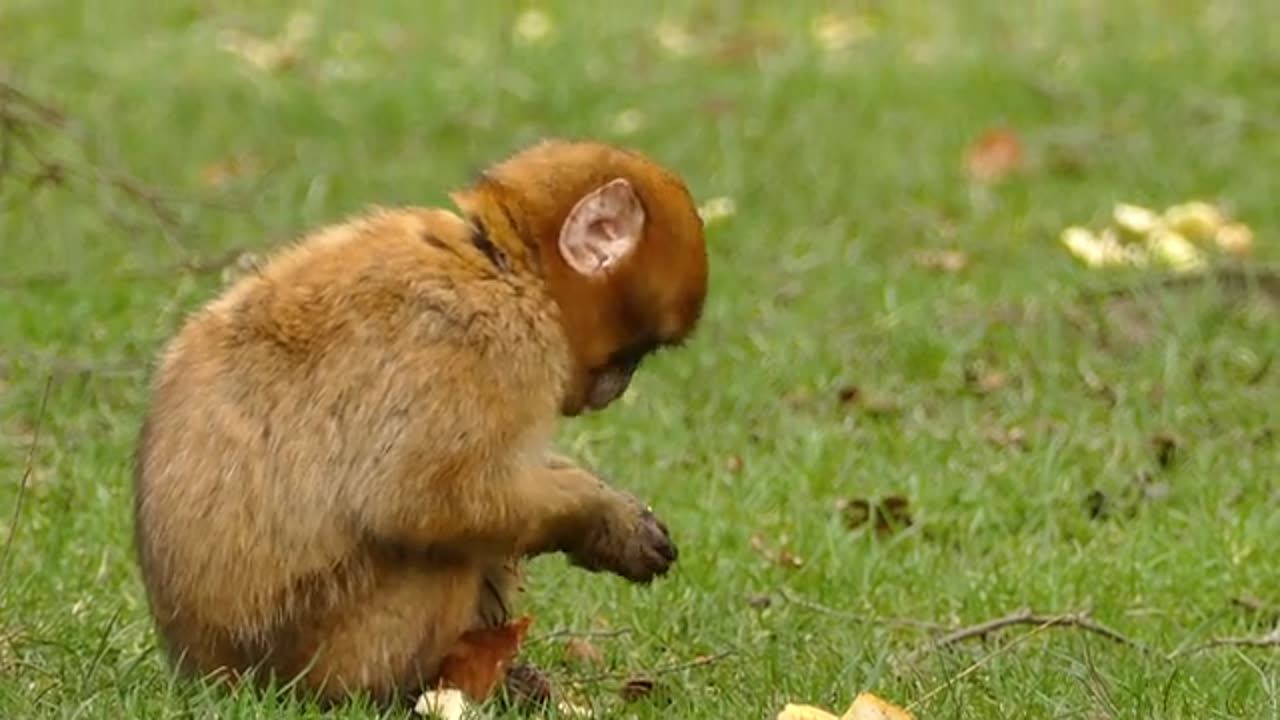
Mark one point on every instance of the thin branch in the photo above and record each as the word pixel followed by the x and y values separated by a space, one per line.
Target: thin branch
pixel 977 665
pixel 569 633
pixel 25 479
pixel 1076 620
pixel 667 669
pixel 913 623
pixel 1270 640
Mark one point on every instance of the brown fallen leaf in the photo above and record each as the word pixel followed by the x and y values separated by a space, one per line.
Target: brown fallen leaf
pixel 994 155
pixel 583 652
pixel 1166 448
pixel 1096 505
pixel 636 688
pixel 226 171
pixel 478 661
pixel 781 557
pixel 849 394
pixel 892 513
pixel 855 512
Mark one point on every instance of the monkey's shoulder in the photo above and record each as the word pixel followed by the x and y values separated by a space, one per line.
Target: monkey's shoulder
pixel 391 277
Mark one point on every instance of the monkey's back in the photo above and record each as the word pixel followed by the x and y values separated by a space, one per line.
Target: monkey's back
pixel 306 396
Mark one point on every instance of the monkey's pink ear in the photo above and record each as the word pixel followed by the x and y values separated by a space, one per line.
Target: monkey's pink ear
pixel 602 229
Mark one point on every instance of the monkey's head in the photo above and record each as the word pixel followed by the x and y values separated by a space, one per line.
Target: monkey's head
pixel 620 245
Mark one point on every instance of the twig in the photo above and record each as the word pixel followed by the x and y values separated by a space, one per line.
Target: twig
pixel 667 669
pixel 1270 640
pixel 798 601
pixel 568 633
pixel 976 665
pixel 25 478
pixel 1077 620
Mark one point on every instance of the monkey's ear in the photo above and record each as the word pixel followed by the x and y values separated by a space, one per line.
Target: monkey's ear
pixel 602 229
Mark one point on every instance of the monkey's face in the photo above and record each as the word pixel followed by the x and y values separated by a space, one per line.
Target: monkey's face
pixel 622 248
pixel 597 387
pixel 634 282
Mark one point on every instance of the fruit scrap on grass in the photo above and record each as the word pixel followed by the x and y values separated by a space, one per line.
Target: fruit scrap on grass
pixel 865 707
pixel 1176 238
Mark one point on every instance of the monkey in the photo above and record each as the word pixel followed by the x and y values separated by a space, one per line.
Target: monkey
pixel 346 458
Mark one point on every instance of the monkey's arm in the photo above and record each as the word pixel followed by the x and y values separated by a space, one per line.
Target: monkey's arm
pixel 538 510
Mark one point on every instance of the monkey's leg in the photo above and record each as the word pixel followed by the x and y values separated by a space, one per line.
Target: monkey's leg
pixel 524 685
pixel 386 641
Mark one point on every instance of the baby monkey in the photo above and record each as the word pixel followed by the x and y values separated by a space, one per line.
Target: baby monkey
pixel 347 454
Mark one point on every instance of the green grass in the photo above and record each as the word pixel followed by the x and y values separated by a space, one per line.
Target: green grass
pixel 842 166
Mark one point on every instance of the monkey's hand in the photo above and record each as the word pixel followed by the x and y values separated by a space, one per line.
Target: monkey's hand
pixel 626 539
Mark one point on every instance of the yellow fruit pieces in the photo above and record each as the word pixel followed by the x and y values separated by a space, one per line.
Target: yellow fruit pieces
pixel 1174 238
pixel 866 706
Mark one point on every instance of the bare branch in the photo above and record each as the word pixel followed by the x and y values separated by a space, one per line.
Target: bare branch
pixel 1269 640
pixel 1076 620
pixel 667 669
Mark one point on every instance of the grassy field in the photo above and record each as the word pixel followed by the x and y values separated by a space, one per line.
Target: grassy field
pixel 1056 449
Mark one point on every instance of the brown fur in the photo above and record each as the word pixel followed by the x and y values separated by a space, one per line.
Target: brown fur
pixel 346 453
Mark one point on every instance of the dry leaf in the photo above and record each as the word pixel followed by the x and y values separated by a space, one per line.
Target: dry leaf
pixel 583 651
pixel 734 464
pixel 1014 437
pixel 478 662
pixel 995 154
pixel 1166 448
pixel 892 513
pixel 782 557
pixel 636 689
pixel 223 172
pixel 869 707
pixel 849 394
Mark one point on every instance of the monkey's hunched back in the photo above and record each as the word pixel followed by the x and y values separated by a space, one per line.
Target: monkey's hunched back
pixel 346 450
